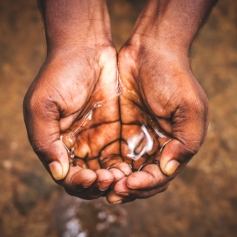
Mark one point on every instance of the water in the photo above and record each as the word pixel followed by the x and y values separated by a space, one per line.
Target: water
pixel 115 126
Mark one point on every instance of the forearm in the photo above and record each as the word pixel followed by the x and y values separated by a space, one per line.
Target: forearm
pixel 75 23
pixel 171 23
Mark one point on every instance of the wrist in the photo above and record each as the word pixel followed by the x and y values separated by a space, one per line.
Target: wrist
pixel 144 51
pixel 171 24
pixel 159 44
pixel 76 24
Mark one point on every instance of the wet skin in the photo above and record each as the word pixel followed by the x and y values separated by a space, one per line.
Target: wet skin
pixel 115 126
pixel 80 71
pixel 111 123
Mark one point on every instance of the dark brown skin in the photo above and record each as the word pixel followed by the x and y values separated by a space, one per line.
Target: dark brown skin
pixel 80 54
pixel 155 60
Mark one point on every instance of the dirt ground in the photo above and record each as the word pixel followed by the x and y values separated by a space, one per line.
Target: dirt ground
pixel 201 201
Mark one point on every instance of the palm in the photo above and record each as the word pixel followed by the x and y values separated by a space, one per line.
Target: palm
pixel 114 126
pixel 93 138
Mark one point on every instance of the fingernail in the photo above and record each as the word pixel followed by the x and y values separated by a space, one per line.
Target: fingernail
pixel 56 170
pixel 171 166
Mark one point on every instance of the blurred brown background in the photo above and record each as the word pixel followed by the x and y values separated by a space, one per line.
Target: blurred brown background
pixel 201 201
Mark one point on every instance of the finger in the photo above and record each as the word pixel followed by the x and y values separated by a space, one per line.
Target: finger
pixel 174 157
pixel 126 194
pixel 97 188
pixel 149 178
pixel 57 159
pixel 41 119
pixel 114 198
pixel 141 194
pixel 124 168
pixel 190 124
pixel 104 179
pixel 78 179
pixel 118 174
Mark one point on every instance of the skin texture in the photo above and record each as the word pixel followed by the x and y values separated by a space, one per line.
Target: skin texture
pixel 114 127
pixel 81 67
pixel 79 55
pixel 156 59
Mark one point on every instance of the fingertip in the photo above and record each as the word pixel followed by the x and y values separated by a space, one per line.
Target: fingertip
pixel 121 187
pixel 104 178
pixel 79 177
pixel 103 174
pixel 58 171
pixel 134 180
pixel 149 177
pixel 87 177
pixel 114 198
pixel 171 156
pixel 124 167
pixel 139 180
pixel 56 159
pixel 171 167
pixel 117 174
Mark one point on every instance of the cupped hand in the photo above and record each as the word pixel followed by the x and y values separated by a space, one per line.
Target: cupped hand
pixel 175 99
pixel 60 93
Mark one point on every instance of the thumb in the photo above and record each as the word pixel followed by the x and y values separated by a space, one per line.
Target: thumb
pixel 42 123
pixel 188 135
pixel 174 157
pixel 52 154
pixel 58 158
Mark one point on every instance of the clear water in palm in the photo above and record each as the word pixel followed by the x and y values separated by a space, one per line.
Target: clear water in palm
pixel 114 126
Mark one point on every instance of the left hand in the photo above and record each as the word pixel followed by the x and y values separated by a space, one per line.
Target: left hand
pixel 172 94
